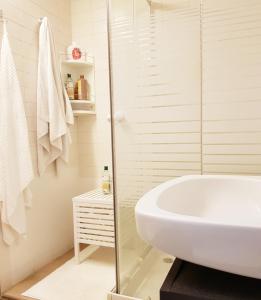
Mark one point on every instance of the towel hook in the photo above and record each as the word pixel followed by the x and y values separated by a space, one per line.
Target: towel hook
pixel 1 16
pixel 2 19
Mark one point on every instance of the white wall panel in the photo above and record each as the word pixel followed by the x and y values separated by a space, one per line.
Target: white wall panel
pixel 46 239
pixel 231 36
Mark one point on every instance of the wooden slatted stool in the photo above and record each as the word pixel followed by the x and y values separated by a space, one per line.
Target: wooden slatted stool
pixel 93 218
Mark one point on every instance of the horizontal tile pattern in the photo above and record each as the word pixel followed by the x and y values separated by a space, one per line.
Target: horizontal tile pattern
pixel 156 84
pixel 231 87
pixel 51 193
pixel 89 30
pixel 159 92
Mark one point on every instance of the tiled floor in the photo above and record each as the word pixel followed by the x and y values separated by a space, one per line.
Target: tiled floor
pixel 148 288
pixel 95 276
pixel 92 279
pixel 15 293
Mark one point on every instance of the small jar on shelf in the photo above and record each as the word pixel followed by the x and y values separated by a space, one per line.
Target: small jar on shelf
pixel 75 53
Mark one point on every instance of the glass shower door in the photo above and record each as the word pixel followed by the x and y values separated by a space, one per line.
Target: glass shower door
pixel 155 68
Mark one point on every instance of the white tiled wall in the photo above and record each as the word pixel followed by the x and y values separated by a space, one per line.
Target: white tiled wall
pixel 162 133
pixel 50 219
pixel 232 87
pixel 89 30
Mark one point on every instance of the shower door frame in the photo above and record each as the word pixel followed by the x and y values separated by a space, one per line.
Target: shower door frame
pixel 114 189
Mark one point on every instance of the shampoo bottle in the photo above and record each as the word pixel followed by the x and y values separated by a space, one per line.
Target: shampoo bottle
pixel 82 88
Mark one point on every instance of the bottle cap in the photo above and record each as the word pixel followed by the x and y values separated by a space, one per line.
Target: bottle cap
pixel 69 75
pixel 106 168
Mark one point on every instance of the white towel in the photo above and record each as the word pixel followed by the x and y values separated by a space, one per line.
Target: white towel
pixel 16 170
pixel 54 112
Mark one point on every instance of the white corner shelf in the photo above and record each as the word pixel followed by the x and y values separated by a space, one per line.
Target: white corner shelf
pixel 84 67
pixel 80 109
pixel 82 101
pixel 78 113
pixel 78 63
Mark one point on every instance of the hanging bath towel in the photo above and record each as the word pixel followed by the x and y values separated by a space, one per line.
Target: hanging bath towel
pixel 54 113
pixel 16 170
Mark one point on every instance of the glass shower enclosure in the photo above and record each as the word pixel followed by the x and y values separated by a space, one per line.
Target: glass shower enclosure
pixel 186 86
pixel 156 99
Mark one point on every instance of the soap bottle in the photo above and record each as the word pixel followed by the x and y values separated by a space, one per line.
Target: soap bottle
pixel 69 86
pixel 106 185
pixel 82 85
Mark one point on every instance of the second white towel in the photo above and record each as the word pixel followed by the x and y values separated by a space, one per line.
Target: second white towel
pixel 54 113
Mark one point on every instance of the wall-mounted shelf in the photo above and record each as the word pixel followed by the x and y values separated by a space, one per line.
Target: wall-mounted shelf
pixel 83 107
pixel 78 113
pixel 82 101
pixel 76 68
pixel 77 63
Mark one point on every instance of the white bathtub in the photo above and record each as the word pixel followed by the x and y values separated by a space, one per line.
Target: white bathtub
pixel 214 221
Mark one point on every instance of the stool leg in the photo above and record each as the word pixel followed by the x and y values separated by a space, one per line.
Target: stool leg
pixel 77 251
pixel 76 243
